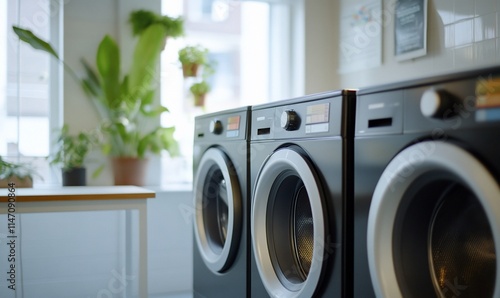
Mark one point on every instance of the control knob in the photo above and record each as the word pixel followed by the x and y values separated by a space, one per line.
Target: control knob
pixel 215 127
pixel 290 120
pixel 438 103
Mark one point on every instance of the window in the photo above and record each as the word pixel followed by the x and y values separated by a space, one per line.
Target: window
pixel 248 40
pixel 27 83
pixel 253 65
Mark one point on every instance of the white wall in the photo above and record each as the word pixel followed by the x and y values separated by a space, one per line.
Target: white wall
pixel 85 24
pixel 462 34
pixel 321 45
pixel 170 243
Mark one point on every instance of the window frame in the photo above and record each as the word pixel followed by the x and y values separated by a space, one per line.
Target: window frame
pixel 52 11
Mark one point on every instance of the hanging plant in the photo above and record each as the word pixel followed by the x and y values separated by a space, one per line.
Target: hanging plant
pixel 199 91
pixel 192 58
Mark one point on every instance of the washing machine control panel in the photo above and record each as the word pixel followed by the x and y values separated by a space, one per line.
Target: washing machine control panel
pixel 320 117
pixel 290 120
pixel 224 125
pixel 433 107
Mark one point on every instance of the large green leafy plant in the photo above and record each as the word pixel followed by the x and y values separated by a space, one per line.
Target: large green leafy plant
pixel 125 101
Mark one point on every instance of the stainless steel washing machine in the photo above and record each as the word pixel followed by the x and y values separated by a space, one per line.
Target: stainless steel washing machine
pixel 427 196
pixel 300 176
pixel 221 206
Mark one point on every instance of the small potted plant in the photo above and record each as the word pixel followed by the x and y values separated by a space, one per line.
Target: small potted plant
pixel 191 58
pixel 18 173
pixel 199 91
pixel 71 154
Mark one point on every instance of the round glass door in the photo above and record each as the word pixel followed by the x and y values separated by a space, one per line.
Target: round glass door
pixel 288 225
pixel 217 204
pixel 433 225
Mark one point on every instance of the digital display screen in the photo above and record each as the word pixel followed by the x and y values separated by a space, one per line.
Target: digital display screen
pixel 233 123
pixel 488 93
pixel 318 118
pixel 319 113
pixel 488 99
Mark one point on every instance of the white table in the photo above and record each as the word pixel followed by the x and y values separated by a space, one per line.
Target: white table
pixel 86 198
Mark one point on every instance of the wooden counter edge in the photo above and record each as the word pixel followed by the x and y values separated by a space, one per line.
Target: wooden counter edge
pixel 81 197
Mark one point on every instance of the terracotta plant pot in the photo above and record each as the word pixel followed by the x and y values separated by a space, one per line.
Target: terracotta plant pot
pixel 129 170
pixel 74 177
pixel 199 100
pixel 25 182
pixel 190 70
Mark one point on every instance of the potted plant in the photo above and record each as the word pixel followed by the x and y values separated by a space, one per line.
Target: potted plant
pixel 191 58
pixel 18 173
pixel 126 100
pixel 71 154
pixel 199 91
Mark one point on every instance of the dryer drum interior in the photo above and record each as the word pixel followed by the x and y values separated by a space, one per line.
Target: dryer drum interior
pixel 218 210
pixel 290 229
pixel 433 225
pixel 288 225
pixel 442 232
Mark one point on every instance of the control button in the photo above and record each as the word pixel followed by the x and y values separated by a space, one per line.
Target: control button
pixel 216 127
pixel 290 120
pixel 438 104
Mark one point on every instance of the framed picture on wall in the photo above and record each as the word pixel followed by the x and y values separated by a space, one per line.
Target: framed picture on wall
pixel 410 29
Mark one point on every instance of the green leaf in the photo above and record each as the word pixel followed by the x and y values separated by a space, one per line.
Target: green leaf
pixel 97 171
pixel 147 108
pixel 169 143
pixel 144 143
pixel 108 65
pixel 144 62
pixel 148 98
pixel 157 140
pixel 142 19
pixel 33 40
pixel 148 111
pixel 124 87
pixel 91 84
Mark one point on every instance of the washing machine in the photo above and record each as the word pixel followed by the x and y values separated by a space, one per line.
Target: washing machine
pixel 427 197
pixel 299 175
pixel 221 204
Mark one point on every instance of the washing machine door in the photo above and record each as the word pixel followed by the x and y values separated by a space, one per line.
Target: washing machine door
pixel 288 225
pixel 217 202
pixel 434 225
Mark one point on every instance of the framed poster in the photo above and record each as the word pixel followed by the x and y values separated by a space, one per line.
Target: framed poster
pixel 360 35
pixel 410 29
